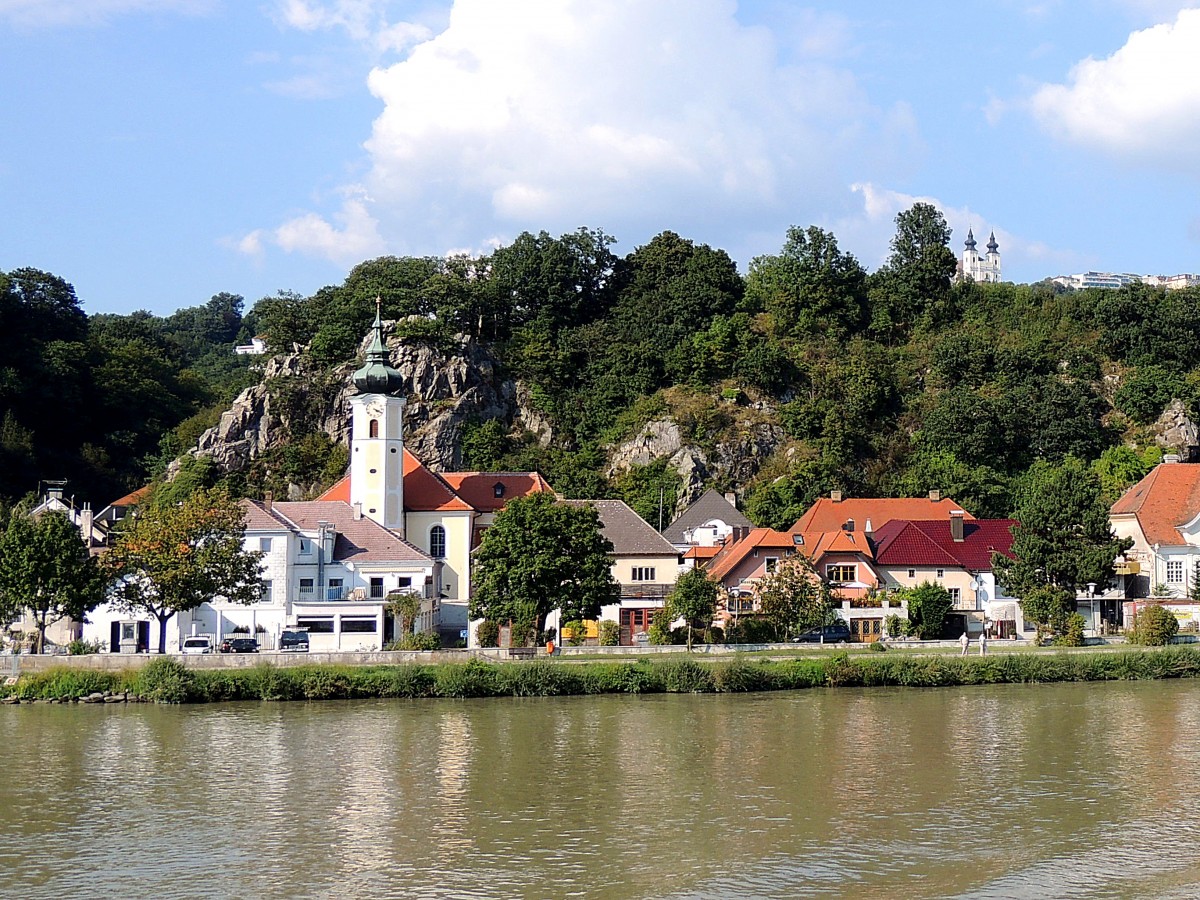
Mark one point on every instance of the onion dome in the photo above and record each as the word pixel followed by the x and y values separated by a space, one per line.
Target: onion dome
pixel 969 243
pixel 377 375
pixel 991 244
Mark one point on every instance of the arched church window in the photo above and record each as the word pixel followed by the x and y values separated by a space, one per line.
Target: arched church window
pixel 374 428
pixel 437 542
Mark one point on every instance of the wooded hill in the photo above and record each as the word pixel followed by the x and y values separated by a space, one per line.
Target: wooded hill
pixel 885 383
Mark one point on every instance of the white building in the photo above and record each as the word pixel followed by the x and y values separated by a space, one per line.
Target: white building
pixel 976 267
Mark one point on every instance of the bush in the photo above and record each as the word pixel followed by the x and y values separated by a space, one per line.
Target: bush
pixel 1153 626
pixel 574 633
pixel 475 678
pixel 750 631
pixel 83 648
pixel 686 676
pixel 164 680
pixel 426 640
pixel 610 633
pixel 1072 635
pixel 878 647
pixel 487 633
pixel 896 626
pixel 660 629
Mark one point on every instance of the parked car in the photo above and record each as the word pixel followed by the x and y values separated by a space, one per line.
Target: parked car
pixel 197 644
pixel 239 645
pixel 838 632
pixel 293 642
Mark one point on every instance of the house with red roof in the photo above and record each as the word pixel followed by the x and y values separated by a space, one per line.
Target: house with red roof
pixel 1161 515
pixel 871 513
pixel 955 552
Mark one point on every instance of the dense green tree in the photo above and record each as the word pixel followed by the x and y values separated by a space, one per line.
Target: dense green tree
pixel 928 606
pixel 1063 537
pixel 693 599
pixel 542 555
pixel 169 558
pixel 915 282
pixel 793 598
pixel 46 571
pixel 1049 608
pixel 1119 468
pixel 810 287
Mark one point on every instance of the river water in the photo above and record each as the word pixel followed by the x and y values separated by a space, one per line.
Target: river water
pixel 1006 791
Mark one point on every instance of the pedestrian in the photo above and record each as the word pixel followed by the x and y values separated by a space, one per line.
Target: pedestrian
pixel 983 643
pixel 966 642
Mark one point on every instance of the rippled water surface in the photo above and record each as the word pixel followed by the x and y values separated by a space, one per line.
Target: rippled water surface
pixel 1013 791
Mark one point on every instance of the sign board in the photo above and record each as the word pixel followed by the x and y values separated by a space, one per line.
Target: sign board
pixel 462 633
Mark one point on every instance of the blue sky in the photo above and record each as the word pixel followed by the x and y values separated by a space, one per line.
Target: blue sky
pixel 156 152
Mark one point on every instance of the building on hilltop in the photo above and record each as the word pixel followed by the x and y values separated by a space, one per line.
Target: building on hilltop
pixel 978 267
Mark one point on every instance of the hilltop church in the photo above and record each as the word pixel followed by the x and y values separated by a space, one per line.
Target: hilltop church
pixel 976 267
pixel 391 526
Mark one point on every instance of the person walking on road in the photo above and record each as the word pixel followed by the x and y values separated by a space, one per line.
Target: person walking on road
pixel 983 643
pixel 966 642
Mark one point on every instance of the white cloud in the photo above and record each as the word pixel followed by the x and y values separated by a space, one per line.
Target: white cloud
pixel 54 13
pixel 353 238
pixel 365 21
pixel 1142 103
pixel 624 115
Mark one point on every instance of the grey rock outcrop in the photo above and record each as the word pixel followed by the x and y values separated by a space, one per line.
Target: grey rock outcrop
pixel 444 389
pixel 1175 429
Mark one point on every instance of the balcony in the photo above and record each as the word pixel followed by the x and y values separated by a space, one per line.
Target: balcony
pixel 646 591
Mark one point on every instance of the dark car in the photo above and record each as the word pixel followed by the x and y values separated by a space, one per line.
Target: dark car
pixel 294 642
pixel 239 645
pixel 839 632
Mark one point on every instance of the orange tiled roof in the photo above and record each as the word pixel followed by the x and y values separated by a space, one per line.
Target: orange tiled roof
pixel 480 488
pixel 697 552
pixel 1165 499
pixel 817 544
pixel 340 491
pixel 133 498
pixel 423 490
pixel 733 553
pixel 828 515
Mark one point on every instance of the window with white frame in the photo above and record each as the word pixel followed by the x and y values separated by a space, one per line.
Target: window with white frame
pixel 941 573
pixel 305 547
pixel 912 573
pixel 841 573
pixel 336 589
pixel 643 573
pixel 955 595
pixel 306 587
pixel 771 563
pixel 377 592
pixel 1174 571
pixel 437 542
pixel 266 594
pixel 264 544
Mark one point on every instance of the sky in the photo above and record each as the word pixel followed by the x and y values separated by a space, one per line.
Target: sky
pixel 157 152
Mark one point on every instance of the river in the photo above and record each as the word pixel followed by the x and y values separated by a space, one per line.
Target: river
pixel 1070 790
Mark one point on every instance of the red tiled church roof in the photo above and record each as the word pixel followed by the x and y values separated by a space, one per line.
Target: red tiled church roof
pixel 480 489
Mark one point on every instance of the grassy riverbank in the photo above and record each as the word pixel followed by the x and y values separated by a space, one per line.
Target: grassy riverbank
pixel 168 681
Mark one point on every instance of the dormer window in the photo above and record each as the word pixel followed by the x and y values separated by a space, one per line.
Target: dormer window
pixel 498 490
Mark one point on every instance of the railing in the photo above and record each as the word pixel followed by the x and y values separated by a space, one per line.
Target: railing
pixel 646 591
pixel 335 593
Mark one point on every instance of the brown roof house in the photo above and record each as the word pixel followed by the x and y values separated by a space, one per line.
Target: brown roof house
pixel 644 563
pixel 699 530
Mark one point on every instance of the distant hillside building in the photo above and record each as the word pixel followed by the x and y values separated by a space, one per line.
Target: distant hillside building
pixel 1121 279
pixel 978 267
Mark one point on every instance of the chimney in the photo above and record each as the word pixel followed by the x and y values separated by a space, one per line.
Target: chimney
pixel 956 525
pixel 1170 457
pixel 835 496
pixel 867 529
pixel 358 511
pixel 935 496
pixel 269 500
pixel 86 519
pixel 731 499
pixel 849 526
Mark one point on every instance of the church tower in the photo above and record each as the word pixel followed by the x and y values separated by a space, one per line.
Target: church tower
pixel 377 436
pixel 993 258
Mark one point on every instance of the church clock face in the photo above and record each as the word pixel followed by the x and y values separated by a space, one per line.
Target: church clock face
pixel 374 408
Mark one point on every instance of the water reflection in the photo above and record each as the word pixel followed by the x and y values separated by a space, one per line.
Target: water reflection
pixel 1006 791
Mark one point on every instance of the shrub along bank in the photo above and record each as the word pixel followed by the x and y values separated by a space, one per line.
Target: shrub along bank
pixel 168 681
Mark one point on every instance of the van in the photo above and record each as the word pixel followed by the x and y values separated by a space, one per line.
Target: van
pixel 197 644
pixel 293 642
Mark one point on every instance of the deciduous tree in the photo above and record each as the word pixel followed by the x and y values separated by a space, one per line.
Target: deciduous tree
pixel 793 598
pixel 542 555
pixel 171 557
pixel 693 599
pixel 46 570
pixel 928 606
